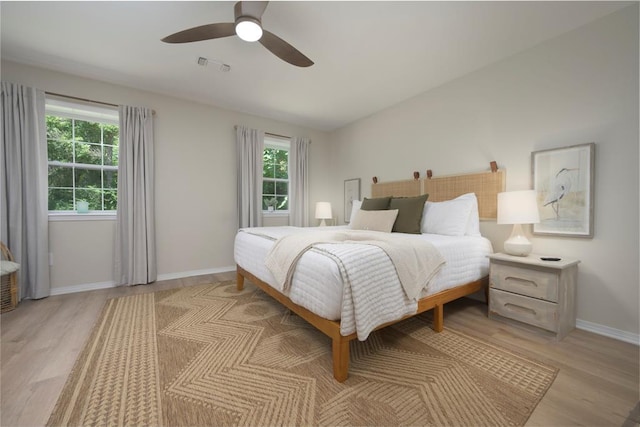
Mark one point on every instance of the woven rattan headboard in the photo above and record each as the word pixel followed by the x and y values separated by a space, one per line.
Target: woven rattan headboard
pixel 486 185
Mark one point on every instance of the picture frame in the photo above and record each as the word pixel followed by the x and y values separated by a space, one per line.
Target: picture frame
pixel 351 193
pixel 564 181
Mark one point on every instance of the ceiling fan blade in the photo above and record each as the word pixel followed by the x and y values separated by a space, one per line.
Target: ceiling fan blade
pixel 203 32
pixel 255 9
pixel 284 50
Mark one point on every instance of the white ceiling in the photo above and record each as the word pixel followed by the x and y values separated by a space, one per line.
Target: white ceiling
pixel 368 55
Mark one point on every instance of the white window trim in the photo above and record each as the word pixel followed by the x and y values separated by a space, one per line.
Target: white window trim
pixel 275 213
pixel 89 166
pixel 61 216
pixel 88 112
pixel 278 144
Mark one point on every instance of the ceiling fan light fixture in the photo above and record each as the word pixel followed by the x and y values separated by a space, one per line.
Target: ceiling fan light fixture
pixel 248 29
pixel 247 25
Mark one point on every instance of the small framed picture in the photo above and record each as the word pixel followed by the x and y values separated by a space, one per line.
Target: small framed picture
pixel 564 179
pixel 351 193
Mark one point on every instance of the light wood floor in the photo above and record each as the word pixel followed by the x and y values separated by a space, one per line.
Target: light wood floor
pixel 597 384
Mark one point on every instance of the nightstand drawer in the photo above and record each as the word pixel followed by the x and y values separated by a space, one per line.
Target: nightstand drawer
pixel 525 281
pixel 524 309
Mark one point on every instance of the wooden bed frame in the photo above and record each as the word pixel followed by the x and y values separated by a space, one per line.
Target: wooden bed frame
pixel 486 185
pixel 331 328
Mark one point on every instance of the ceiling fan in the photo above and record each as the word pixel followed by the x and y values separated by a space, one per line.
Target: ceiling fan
pixel 248 26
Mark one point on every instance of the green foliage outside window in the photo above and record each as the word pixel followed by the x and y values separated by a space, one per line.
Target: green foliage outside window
pixel 275 179
pixel 83 160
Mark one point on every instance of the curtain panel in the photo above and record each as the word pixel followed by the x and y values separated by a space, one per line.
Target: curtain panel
pixel 24 222
pixel 299 182
pixel 249 153
pixel 135 248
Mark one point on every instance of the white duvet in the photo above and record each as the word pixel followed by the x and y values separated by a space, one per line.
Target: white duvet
pixel 317 281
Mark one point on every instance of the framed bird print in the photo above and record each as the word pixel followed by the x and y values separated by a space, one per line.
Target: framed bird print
pixel 564 179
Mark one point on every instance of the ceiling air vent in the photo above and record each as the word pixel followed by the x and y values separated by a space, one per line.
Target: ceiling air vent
pixel 203 62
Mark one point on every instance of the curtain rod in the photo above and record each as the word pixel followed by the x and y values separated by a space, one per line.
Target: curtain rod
pixel 86 100
pixel 271 134
pixel 277 136
pixel 280 136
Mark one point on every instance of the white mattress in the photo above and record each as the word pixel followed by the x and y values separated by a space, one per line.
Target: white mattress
pixel 317 282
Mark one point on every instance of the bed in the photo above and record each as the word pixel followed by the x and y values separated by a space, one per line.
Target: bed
pixel 316 286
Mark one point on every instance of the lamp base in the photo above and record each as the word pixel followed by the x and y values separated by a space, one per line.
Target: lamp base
pixel 517 244
pixel 322 223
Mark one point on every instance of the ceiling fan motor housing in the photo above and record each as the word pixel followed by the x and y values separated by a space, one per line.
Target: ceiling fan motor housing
pixel 248 27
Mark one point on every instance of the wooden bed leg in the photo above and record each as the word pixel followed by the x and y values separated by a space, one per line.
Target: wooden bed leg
pixel 486 293
pixel 438 317
pixel 340 347
pixel 239 281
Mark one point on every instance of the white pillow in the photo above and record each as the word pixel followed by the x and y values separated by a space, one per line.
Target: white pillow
pixel 450 218
pixel 374 220
pixel 473 226
pixel 355 207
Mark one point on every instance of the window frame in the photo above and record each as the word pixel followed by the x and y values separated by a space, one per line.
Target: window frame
pixel 77 110
pixel 283 145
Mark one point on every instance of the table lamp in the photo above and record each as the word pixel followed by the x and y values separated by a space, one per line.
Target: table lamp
pixel 323 211
pixel 517 208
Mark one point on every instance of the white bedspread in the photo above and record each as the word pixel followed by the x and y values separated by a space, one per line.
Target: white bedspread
pixel 415 261
pixel 403 267
pixel 372 294
pixel 318 285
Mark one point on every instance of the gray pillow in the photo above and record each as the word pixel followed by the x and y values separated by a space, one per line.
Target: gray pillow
pixel 377 204
pixel 409 213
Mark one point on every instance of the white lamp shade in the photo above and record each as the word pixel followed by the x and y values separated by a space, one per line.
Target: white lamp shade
pixel 323 210
pixel 518 207
pixel 248 29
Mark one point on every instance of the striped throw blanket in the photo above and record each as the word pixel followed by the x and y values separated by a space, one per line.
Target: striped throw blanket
pixel 383 273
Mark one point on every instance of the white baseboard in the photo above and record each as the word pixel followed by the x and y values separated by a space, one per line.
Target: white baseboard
pixel 168 276
pixel 81 288
pixel 617 334
pixel 182 274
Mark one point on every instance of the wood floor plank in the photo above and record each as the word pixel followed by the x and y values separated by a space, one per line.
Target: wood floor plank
pixel 598 382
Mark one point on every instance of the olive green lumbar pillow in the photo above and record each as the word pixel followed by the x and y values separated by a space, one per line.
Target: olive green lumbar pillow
pixel 409 213
pixel 377 204
pixel 382 220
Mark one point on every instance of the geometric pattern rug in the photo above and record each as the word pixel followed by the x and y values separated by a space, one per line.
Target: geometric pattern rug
pixel 210 355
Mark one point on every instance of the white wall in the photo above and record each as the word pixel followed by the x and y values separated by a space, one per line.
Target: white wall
pixel 578 88
pixel 196 214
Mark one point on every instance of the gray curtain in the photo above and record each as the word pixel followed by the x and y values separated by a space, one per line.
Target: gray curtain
pixel 24 186
pixel 135 249
pixel 299 182
pixel 249 149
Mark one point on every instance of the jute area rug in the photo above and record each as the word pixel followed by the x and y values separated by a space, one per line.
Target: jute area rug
pixel 210 355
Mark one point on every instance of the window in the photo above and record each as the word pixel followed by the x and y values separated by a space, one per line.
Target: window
pixel 82 146
pixel 275 176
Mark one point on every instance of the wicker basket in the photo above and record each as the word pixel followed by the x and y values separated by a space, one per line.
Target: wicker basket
pixel 9 289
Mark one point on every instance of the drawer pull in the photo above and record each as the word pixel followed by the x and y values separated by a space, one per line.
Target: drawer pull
pixel 516 307
pixel 525 281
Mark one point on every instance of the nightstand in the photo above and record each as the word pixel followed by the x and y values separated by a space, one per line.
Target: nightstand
pixel 534 292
